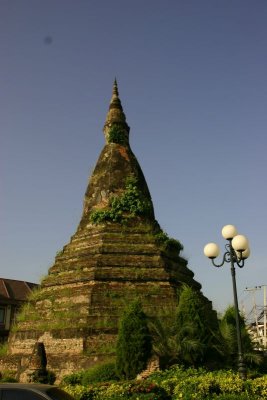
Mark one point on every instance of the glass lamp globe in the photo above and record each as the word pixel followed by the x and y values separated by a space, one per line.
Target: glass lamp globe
pixel 243 255
pixel 240 243
pixel 229 231
pixel 211 250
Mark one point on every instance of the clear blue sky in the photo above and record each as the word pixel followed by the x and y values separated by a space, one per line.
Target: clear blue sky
pixel 192 81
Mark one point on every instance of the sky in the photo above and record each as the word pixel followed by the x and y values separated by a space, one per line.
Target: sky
pixel 192 82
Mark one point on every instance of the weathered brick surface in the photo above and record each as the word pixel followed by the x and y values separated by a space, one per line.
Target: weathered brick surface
pixel 103 267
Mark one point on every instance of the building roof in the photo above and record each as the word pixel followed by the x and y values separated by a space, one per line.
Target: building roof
pixel 13 290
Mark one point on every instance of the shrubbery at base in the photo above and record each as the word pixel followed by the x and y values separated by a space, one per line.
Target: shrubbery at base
pixel 100 373
pixel 177 383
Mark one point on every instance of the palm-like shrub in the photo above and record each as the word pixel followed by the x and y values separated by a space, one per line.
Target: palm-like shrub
pixel 164 339
pixel 228 332
pixel 197 330
pixel 191 336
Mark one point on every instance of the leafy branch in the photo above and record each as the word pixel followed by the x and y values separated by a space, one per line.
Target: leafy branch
pixel 130 204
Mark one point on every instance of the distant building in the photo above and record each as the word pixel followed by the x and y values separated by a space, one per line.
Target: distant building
pixel 258 334
pixel 12 296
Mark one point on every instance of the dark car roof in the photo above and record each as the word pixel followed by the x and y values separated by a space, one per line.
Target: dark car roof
pixel 34 386
pixel 48 391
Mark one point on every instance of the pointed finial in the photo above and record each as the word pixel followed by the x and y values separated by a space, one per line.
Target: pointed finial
pixel 116 116
pixel 115 95
pixel 115 88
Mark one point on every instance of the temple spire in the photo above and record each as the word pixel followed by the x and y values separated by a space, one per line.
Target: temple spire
pixel 116 119
pixel 115 88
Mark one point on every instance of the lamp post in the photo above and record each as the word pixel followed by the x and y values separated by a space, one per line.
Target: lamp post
pixel 237 250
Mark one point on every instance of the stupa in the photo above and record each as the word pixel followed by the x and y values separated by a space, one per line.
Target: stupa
pixel 118 253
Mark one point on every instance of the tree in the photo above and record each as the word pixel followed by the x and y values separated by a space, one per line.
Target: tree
pixel 164 339
pixel 197 337
pixel 134 344
pixel 228 332
pixel 191 335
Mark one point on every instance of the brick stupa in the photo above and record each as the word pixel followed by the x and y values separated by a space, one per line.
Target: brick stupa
pixel 118 253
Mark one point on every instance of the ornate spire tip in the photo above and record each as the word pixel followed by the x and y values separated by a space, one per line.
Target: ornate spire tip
pixel 115 88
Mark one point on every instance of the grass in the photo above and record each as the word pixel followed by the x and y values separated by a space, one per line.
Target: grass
pixel 3 349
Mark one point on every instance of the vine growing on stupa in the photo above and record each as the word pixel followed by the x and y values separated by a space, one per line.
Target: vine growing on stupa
pixel 117 135
pixel 123 207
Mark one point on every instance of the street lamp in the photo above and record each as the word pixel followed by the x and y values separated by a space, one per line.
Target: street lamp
pixel 237 250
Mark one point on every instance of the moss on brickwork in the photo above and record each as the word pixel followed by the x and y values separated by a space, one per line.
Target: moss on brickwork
pixel 118 254
pixel 124 206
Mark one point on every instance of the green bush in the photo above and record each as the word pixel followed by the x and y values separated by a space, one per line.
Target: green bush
pixel 112 391
pixel 196 387
pixel 73 379
pixel 134 343
pixel 141 390
pixel 117 135
pixel 9 379
pixel 80 392
pixel 196 330
pixel 43 376
pixel 169 244
pixel 7 376
pixel 200 384
pixel 259 386
pixel 128 205
pixel 3 349
pixel 234 397
pixel 169 378
pixel 177 383
pixel 253 359
pixel 100 373
pixel 147 390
